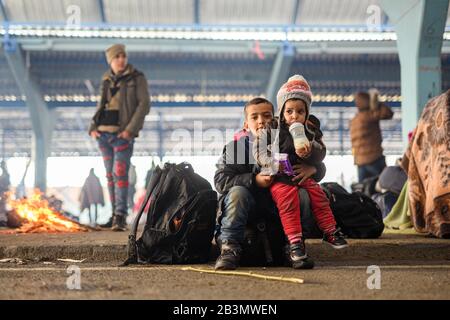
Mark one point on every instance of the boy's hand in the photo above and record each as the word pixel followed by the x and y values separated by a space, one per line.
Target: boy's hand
pixel 259 132
pixel 95 134
pixel 303 172
pixel 305 151
pixel 263 181
pixel 125 135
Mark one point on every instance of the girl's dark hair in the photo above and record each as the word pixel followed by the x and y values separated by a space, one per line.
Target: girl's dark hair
pixel 282 120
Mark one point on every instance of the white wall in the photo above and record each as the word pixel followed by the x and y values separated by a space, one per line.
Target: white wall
pixel 66 175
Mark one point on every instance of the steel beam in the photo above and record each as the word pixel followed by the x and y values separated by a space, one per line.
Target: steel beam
pixel 197 46
pixel 42 118
pixel 280 71
pixel 197 12
pixel 101 9
pixel 3 12
pixel 295 12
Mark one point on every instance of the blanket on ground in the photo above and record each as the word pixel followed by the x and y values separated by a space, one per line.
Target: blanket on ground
pixel 427 163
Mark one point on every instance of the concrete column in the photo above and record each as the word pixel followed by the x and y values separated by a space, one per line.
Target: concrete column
pixel 419 25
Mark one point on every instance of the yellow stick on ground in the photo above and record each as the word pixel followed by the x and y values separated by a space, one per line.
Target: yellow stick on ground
pixel 245 274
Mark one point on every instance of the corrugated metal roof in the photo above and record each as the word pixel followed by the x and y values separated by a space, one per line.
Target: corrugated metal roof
pixel 52 11
pixel 332 12
pixel 238 12
pixel 149 12
pixel 211 12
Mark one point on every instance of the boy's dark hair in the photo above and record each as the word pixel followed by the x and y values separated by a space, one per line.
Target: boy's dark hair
pixel 257 100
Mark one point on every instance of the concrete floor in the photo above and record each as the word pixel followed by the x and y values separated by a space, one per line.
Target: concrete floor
pixel 106 281
pixel 411 267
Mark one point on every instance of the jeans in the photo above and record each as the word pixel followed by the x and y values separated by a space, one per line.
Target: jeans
pixel 238 205
pixel 116 154
pixel 372 169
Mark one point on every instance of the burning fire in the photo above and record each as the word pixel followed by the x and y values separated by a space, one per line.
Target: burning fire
pixel 39 217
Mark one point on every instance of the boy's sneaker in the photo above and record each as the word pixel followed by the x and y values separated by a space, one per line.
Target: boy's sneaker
pixel 119 223
pixel 297 256
pixel 335 239
pixel 107 224
pixel 230 255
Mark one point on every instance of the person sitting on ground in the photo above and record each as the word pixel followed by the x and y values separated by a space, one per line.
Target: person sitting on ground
pixel 366 136
pixel 388 187
pixel 427 164
pixel 294 102
pixel 244 190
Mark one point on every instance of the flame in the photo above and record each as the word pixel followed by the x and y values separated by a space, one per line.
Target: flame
pixel 40 217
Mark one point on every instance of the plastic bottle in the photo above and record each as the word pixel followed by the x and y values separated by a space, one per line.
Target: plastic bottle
pixel 297 131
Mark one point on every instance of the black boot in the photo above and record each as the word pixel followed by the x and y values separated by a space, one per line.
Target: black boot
pixel 296 255
pixel 108 224
pixel 230 255
pixel 110 221
pixel 119 223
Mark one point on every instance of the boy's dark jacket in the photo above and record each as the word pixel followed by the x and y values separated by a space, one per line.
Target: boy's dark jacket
pixel 134 99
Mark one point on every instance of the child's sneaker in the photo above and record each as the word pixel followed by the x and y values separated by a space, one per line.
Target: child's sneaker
pixel 335 239
pixel 298 257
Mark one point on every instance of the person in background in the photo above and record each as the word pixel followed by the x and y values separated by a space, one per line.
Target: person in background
pixel 389 186
pixel 132 179
pixel 91 195
pixel 366 135
pixel 427 164
pixel 4 188
pixel 149 173
pixel 119 117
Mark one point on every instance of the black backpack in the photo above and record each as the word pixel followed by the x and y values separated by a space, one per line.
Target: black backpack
pixel 367 186
pixel 356 214
pixel 265 241
pixel 180 218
